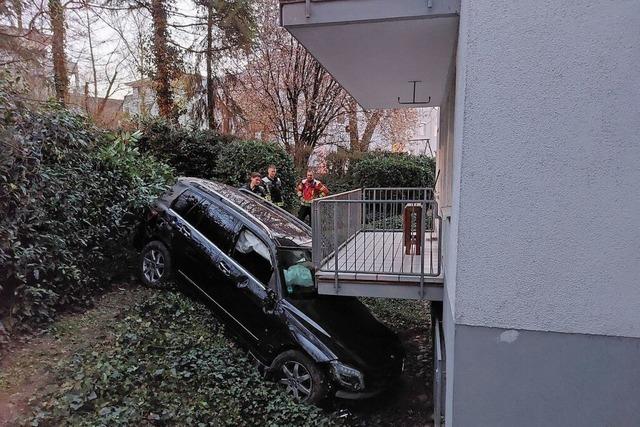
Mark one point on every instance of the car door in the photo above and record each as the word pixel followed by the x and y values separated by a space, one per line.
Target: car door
pixel 252 261
pixel 203 234
pixel 184 216
pixel 223 283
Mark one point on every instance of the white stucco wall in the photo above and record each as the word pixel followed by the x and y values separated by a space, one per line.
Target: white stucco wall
pixel 548 149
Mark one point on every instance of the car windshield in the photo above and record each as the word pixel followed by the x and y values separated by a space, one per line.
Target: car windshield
pixel 297 272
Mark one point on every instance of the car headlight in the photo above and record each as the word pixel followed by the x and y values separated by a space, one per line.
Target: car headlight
pixel 347 376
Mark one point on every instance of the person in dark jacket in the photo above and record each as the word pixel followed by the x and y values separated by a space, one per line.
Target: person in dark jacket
pixel 255 185
pixel 273 185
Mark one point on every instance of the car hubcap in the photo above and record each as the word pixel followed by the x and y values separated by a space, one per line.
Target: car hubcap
pixel 153 266
pixel 297 379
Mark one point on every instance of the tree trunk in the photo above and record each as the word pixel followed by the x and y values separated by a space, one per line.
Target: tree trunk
pixel 86 98
pixel 17 5
pixel 301 154
pixel 60 76
pixel 107 94
pixel 92 57
pixel 211 94
pixel 372 124
pixel 352 116
pixel 162 76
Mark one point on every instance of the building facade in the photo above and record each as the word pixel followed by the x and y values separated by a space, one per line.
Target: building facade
pixel 538 156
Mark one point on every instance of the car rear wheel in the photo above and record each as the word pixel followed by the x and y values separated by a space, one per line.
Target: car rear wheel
pixel 155 264
pixel 300 377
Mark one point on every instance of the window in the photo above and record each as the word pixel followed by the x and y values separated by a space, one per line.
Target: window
pixel 185 202
pixel 195 215
pixel 218 225
pixel 210 219
pixel 253 255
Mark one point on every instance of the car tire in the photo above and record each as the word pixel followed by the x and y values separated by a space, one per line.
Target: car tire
pixel 156 266
pixel 301 377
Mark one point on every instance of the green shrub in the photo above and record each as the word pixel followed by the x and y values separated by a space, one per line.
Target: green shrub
pixel 339 164
pixel 393 170
pixel 209 155
pixel 348 170
pixel 191 152
pixel 70 198
pixel 239 158
pixel 169 364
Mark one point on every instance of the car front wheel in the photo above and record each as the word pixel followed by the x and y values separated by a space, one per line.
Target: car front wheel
pixel 155 264
pixel 300 377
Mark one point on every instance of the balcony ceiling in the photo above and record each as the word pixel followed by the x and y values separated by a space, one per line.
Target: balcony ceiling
pixel 374 52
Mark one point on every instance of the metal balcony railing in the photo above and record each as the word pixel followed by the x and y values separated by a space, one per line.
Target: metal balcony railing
pixel 389 234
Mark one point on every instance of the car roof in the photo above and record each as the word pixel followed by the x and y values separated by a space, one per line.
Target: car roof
pixel 285 229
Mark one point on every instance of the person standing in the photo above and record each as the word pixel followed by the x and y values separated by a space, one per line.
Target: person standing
pixel 273 185
pixel 309 189
pixel 255 185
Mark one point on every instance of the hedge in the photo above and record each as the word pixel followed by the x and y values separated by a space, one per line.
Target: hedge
pixel 348 170
pixel 209 155
pixel 239 158
pixel 191 152
pixel 70 197
pixel 394 170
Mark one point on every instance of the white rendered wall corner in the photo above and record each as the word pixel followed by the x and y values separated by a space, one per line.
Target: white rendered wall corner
pixel 542 265
pixel 548 128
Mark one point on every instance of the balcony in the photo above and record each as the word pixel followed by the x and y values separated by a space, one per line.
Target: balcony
pixel 393 43
pixel 378 242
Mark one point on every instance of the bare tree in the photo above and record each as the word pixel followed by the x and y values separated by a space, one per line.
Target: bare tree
pixel 397 126
pixel 359 142
pixel 166 57
pixel 298 97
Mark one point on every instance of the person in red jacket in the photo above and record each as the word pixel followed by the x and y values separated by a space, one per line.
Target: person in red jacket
pixel 309 189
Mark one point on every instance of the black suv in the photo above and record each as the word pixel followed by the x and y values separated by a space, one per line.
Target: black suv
pixel 250 261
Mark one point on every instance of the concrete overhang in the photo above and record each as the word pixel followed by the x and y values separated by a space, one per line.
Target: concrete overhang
pixel 376 48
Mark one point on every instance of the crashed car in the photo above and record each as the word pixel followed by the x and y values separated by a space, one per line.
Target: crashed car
pixel 250 262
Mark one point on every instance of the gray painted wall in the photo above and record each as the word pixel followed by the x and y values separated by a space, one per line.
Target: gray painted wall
pixel 530 378
pixel 544 238
pixel 548 138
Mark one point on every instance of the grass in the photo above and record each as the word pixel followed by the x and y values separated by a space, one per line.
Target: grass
pixel 400 314
pixel 157 358
pixel 168 363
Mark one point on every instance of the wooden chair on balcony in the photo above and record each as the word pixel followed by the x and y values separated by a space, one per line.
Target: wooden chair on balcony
pixel 412 228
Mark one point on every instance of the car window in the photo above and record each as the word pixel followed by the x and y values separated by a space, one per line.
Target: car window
pixel 196 214
pixel 210 219
pixel 185 202
pixel 217 225
pixel 254 256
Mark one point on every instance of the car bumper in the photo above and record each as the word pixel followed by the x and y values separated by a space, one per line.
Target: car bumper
pixel 355 395
pixel 373 390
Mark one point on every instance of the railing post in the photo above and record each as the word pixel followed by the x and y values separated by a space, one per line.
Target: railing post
pixel 437 381
pixel 424 246
pixel 335 246
pixel 316 242
pixel 433 224
pixel 439 241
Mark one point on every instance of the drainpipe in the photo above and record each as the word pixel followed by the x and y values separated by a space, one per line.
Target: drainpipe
pixel 307 8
